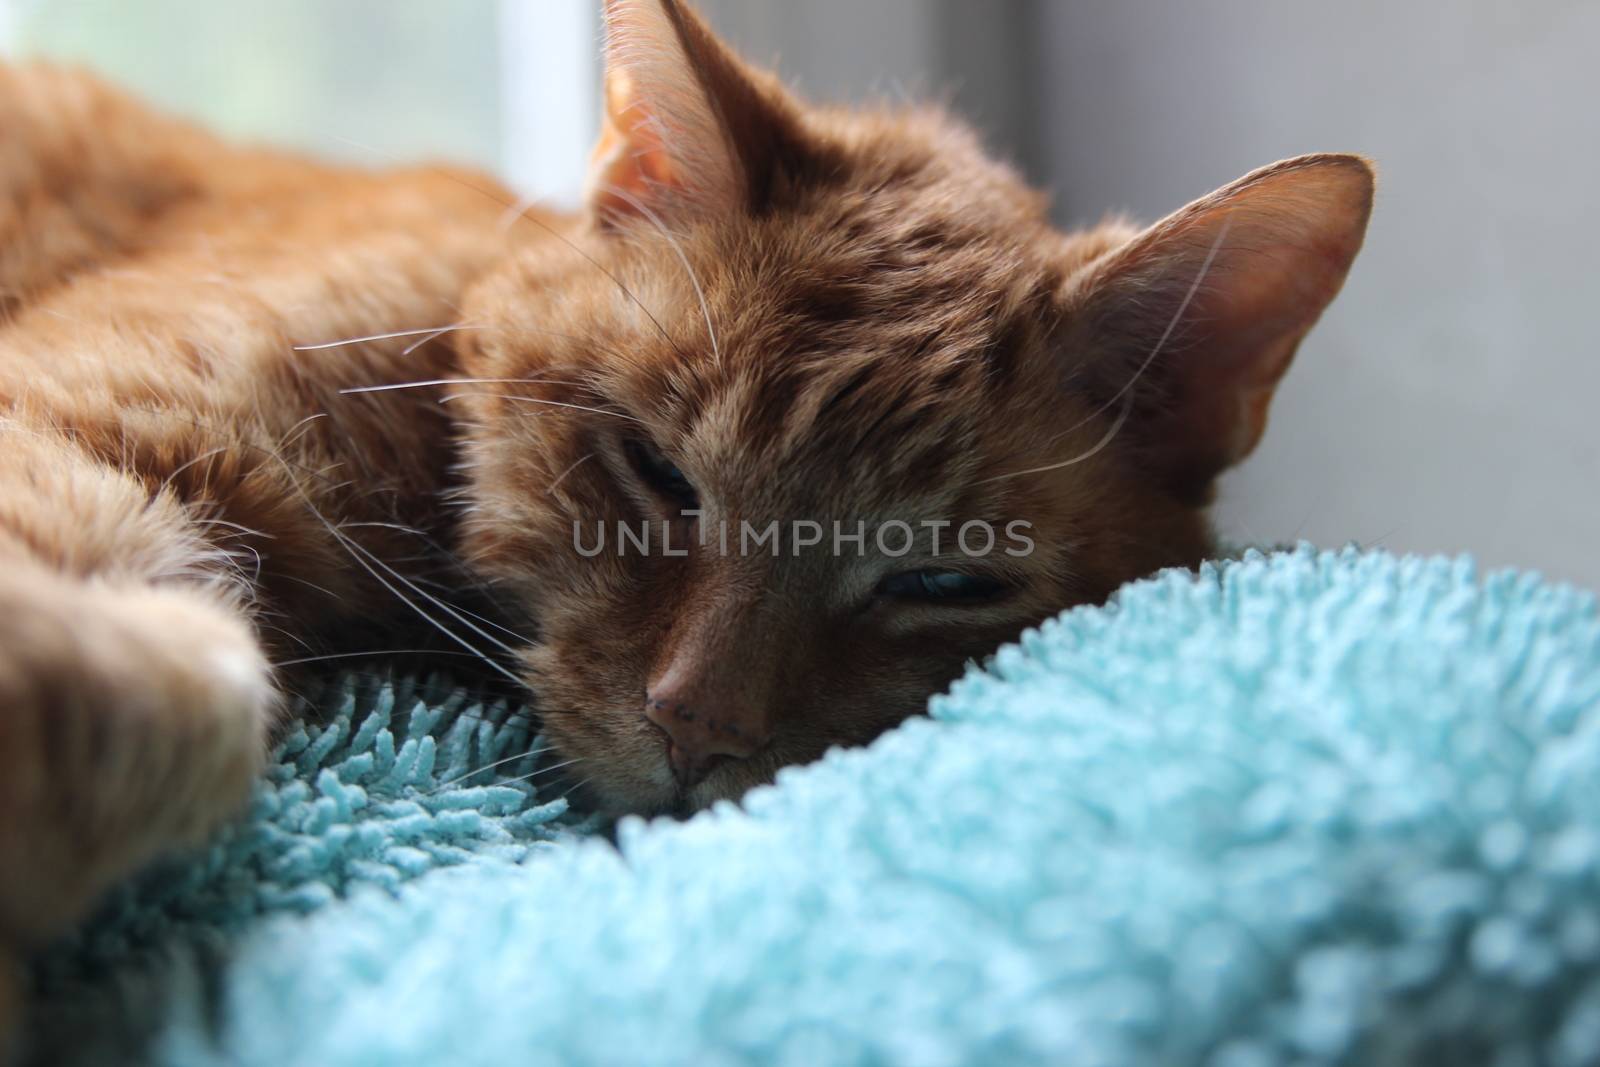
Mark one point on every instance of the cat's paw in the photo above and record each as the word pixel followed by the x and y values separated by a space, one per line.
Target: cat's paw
pixel 131 721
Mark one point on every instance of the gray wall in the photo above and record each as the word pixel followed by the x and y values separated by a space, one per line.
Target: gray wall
pixel 1446 401
pixel 964 53
pixel 1449 399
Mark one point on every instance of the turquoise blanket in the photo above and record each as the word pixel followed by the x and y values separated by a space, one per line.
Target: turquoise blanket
pixel 1307 808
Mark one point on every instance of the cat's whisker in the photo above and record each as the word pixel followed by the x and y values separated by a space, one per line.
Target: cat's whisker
pixel 235 526
pixel 540 772
pixel 574 465
pixel 374 524
pixel 230 553
pixel 450 381
pixel 376 653
pixel 434 336
pixel 435 549
pixel 474 615
pixel 431 330
pixel 1122 395
pixel 437 602
pixel 356 551
pixel 287 634
pixel 1379 540
pixel 513 212
pixel 461 572
pixel 166 483
pixel 694 280
pixel 309 584
pixel 575 788
pixel 448 782
pixel 495 625
pixel 520 211
pixel 523 214
pixel 299 428
pixel 541 400
pixel 629 293
pixel 520 778
pixel 320 476
pixel 1105 439
pixel 354 548
pixel 522 717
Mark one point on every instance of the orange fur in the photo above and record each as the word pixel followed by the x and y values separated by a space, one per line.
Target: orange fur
pixel 813 313
pixel 156 454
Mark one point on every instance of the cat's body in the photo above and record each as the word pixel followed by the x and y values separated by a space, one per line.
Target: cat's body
pixel 163 293
pixel 168 457
pixel 768 312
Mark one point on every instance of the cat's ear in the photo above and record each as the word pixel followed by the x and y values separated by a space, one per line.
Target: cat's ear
pixel 1196 319
pixel 688 127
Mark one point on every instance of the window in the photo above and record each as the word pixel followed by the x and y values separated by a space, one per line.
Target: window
pixel 507 85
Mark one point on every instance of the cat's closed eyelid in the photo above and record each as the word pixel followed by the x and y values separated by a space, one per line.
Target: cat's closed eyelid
pixel 940 589
pixel 660 475
pixel 948 585
pixel 908 616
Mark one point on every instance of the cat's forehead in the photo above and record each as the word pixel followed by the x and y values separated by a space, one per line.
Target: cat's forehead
pixel 818 302
pixel 797 340
pixel 878 414
pixel 870 341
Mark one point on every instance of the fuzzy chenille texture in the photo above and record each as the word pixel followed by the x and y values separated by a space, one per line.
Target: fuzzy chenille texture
pixel 1309 808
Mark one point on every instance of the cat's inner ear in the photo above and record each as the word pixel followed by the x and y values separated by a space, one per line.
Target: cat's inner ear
pixel 1193 322
pixel 687 126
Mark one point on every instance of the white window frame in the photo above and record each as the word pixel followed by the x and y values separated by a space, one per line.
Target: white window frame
pixel 549 60
pixel 549 82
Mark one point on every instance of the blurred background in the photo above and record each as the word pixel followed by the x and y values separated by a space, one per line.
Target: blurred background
pixel 1450 399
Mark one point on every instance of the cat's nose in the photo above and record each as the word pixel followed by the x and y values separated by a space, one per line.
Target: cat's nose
pixel 701 732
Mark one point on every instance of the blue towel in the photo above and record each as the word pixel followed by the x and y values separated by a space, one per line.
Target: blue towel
pixel 1306 808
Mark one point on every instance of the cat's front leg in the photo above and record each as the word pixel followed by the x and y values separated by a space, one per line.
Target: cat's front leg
pixel 135 697
pixel 133 718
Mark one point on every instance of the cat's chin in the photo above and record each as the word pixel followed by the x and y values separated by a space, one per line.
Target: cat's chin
pixel 669 800
pixel 616 765
pixel 626 790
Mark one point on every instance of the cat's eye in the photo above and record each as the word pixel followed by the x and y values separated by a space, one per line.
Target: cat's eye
pixel 662 475
pixel 941 586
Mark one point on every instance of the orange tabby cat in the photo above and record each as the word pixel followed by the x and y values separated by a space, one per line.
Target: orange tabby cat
pixel 769 312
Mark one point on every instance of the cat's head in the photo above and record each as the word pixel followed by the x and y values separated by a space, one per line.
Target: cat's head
pixel 778 313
